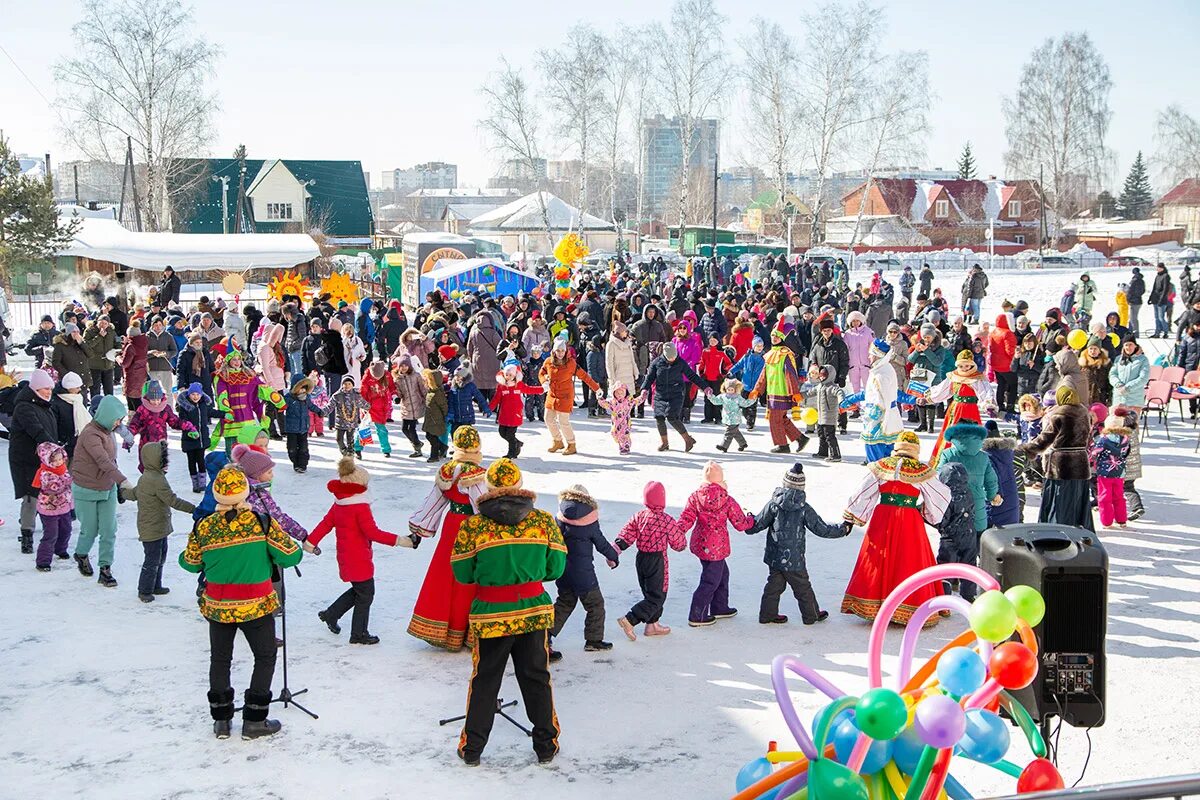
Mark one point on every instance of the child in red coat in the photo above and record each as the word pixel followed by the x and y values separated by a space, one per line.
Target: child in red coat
pixel 509 404
pixel 378 388
pixel 713 367
pixel 351 518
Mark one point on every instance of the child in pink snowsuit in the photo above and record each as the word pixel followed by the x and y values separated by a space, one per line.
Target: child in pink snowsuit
pixel 320 398
pixel 652 530
pixel 54 503
pixel 708 510
pixel 620 406
pixel 153 417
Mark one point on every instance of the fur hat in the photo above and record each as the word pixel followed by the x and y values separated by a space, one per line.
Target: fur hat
pixel 1066 396
pixel 40 379
pixel 907 445
pixel 794 477
pixel 305 384
pixel 654 496
pixel 714 474
pixel 462 374
pixel 503 476
pixel 825 324
pixel 578 494
pixel 731 384
pixel 965 430
pixel 349 471
pixel 467 445
pixel 255 463
pixel 72 381
pixel 230 487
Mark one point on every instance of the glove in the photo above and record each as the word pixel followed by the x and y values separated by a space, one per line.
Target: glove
pixel 127 446
pixel 416 540
pixel 847 526
pixel 193 434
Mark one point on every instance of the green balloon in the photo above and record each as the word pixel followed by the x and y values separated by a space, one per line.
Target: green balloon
pixel 993 617
pixel 881 714
pixel 1028 602
pixel 829 780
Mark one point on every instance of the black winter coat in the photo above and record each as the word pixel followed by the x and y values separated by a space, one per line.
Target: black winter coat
pixel 1136 290
pixel 199 414
pixel 832 353
pixel 580 527
pixel 1189 353
pixel 168 290
pixel 786 518
pixel 387 335
pixel 69 356
pixel 1161 290
pixel 185 373
pixel 34 422
pixel 667 379
pixel 64 415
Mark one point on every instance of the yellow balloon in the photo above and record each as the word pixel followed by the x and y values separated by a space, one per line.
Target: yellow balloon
pixel 1116 340
pixel 1077 339
pixel 809 416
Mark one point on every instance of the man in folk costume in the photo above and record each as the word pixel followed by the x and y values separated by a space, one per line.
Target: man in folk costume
pixel 880 399
pixel 963 390
pixel 897 497
pixel 506 551
pixel 780 379
pixel 443 606
pixel 240 394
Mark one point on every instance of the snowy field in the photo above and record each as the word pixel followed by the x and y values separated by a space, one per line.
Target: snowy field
pixel 105 697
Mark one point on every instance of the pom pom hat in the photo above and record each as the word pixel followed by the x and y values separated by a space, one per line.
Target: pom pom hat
pixel 794 477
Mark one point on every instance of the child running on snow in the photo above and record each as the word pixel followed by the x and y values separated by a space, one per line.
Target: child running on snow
pixel 747 370
pixel 652 530
pixel 320 398
pixel 55 503
pixel 579 519
pixel 152 418
pixel 298 410
pixel 786 517
pixel 378 389
pixel 708 509
pixel 732 405
pixel 509 404
pixel 355 528
pixel 620 405
pixel 535 404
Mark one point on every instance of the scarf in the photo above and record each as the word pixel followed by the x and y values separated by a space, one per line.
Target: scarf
pixel 79 411
pixel 198 362
pixel 61 469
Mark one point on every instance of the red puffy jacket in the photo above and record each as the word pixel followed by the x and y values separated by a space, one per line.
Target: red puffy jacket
pixel 355 528
pixel 509 403
pixel 378 392
pixel 1003 345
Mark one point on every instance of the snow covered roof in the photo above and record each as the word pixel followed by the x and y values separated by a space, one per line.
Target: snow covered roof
pixel 466 210
pixel 525 214
pixel 107 240
pixel 1187 193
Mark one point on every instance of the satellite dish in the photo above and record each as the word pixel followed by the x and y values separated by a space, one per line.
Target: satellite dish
pixel 233 284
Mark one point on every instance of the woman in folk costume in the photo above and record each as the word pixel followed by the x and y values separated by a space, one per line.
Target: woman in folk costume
pixel 880 399
pixel 896 545
pixel 444 605
pixel 240 394
pixel 963 391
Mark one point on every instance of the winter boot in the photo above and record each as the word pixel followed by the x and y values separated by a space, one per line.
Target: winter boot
pixel 657 629
pixel 26 541
pixel 570 451
pixel 220 704
pixel 84 564
pixel 554 448
pixel 626 628
pixel 106 579
pixel 416 453
pixel 596 647
pixel 363 638
pixel 665 446
pixel 822 615
pixel 688 443
pixel 329 621
pixel 254 715
pixel 199 482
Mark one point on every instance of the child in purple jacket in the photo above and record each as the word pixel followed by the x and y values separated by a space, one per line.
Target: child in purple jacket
pixel 708 509
pixel 152 418
pixel 54 503
pixel 260 470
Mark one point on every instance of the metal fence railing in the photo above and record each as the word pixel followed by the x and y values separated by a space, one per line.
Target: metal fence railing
pixel 1178 787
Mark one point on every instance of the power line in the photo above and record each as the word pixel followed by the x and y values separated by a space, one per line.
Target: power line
pixel 27 78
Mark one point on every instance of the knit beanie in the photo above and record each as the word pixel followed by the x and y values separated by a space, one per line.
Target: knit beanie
pixel 447 352
pixel 992 429
pixel 40 379
pixel 654 496
pixel 794 477
pixel 714 474
pixel 1099 411
pixel 670 351
pixel 153 390
pixel 195 388
pixel 255 463
pixel 230 487
pixel 349 471
pixel 377 368
pixel 72 381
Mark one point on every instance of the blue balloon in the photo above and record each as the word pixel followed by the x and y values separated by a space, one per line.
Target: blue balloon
pixel 845 735
pixel 986 738
pixel 961 671
pixel 907 749
pixel 833 724
pixel 752 773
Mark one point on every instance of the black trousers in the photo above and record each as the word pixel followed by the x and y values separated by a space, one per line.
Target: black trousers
pixel 346 441
pixel 359 596
pixel 509 434
pixel 827 437
pixel 535 407
pixel 133 403
pixel 195 462
pixel 960 547
pixel 593 604
pixel 651 568
pixel 297 450
pixel 260 635
pixel 732 433
pixel 102 379
pixel 409 428
pixel 273 428
pixel 436 447
pixel 676 423
pixel 777 581
pixel 1006 391
pixel 530 654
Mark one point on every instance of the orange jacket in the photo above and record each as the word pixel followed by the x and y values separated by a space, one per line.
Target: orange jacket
pixel 561 377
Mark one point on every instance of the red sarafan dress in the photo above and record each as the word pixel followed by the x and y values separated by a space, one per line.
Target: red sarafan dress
pixel 444 605
pixel 895 500
pixel 963 391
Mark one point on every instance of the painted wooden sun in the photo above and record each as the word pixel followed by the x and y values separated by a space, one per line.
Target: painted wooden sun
pixel 289 283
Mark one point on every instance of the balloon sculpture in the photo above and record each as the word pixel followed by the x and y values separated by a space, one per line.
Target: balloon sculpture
pixel 898 744
pixel 569 250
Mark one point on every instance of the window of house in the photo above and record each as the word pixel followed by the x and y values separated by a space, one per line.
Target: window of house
pixel 941 208
pixel 1014 208
pixel 279 210
pixel 1019 238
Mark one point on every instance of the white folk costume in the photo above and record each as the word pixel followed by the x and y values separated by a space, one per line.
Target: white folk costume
pixel 880 401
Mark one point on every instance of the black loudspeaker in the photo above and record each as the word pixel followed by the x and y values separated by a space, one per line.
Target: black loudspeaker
pixel 1069 567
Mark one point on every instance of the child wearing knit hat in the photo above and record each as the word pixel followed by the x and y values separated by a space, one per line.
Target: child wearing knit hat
pixel 260 472
pixel 652 530
pixel 152 417
pixel 579 520
pixel 786 518
pixel 196 407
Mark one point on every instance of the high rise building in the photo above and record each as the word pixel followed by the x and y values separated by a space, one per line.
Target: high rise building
pixel 662 154
pixel 430 175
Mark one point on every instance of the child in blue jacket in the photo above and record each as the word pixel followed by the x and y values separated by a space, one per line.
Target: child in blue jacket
pixel 748 368
pixel 196 407
pixel 462 395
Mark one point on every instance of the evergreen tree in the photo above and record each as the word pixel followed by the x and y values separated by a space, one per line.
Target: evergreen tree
pixel 966 164
pixel 29 227
pixel 1135 201
pixel 1105 206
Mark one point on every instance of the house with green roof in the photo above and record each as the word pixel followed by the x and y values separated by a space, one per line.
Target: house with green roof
pixel 228 195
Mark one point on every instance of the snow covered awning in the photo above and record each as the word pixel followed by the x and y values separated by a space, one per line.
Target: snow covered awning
pixel 107 240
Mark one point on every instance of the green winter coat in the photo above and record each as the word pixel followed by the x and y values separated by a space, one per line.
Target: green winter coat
pixel 98 345
pixel 981 475
pixel 154 496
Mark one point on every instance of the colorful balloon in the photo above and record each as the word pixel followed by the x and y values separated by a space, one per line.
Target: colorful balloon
pixel 845 736
pixel 809 416
pixel 940 721
pixel 993 617
pixel 881 714
pixel 1077 339
pixel 1116 340
pixel 961 671
pixel 1028 602
pixel 754 772
pixel 829 780
pixel 986 738
pixel 907 749
pixel 1039 776
pixel 1013 665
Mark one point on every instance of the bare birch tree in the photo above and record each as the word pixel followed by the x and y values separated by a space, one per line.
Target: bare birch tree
pixel 511 125
pixel 693 74
pixel 575 77
pixel 835 73
pixel 139 71
pixel 1058 120
pixel 771 74
pixel 624 64
pixel 1177 137
pixel 644 103
pixel 897 121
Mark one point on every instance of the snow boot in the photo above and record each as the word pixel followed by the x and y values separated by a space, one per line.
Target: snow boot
pixel 199 482
pixel 627 628
pixel 220 705
pixel 363 638
pixel 329 621
pixel 665 446
pixel 778 619
pixel 416 453
pixel 555 447
pixel 471 760
pixel 106 579
pixel 688 443
pixel 821 617
pixel 26 541
pixel 254 716
pixel 84 564
pixel 43 568
pixel 729 613
pixel 570 451
pixel 801 443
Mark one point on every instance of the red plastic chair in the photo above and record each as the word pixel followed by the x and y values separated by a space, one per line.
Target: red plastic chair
pixel 1158 398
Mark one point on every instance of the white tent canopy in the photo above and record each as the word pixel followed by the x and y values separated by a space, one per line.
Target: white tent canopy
pixel 107 240
pixel 525 214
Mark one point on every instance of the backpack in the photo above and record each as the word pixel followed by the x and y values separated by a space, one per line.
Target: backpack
pixel 8 398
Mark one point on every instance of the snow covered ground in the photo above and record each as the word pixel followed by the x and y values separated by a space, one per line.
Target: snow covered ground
pixel 104 696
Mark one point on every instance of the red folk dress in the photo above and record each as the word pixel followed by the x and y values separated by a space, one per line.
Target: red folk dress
pixel 443 608
pixel 896 545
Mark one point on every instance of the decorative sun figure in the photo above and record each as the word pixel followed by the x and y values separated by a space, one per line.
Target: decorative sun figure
pixel 289 282
pixel 339 287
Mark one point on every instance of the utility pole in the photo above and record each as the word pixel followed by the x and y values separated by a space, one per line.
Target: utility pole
pixel 224 181
pixel 75 169
pixel 716 158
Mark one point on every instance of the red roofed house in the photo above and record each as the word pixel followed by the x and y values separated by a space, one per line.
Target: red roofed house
pixel 1181 206
pixel 956 213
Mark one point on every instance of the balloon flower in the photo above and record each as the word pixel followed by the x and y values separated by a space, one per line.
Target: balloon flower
pixel 898 741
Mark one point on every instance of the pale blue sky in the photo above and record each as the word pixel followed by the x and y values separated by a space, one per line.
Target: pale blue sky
pixel 395 83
